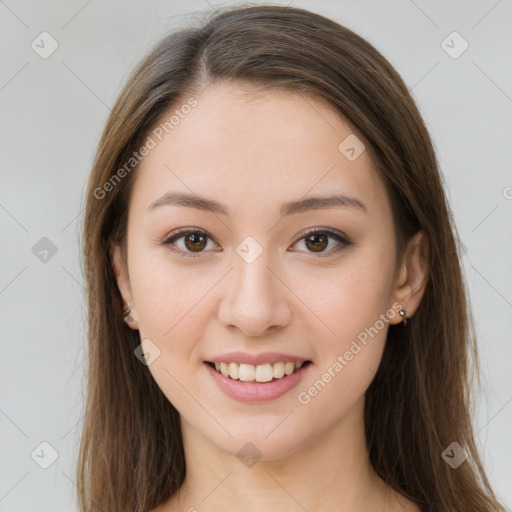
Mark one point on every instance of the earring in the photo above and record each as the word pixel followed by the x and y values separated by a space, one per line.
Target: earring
pixel 402 314
pixel 126 313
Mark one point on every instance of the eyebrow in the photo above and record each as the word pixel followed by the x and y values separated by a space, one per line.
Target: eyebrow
pixel 288 208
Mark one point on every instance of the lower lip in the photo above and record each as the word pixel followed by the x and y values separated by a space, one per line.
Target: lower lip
pixel 257 391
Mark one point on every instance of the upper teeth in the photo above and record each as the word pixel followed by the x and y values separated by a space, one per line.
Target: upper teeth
pixel 261 373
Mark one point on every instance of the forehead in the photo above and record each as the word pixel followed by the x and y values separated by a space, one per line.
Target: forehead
pixel 248 147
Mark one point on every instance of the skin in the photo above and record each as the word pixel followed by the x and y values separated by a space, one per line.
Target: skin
pixel 252 151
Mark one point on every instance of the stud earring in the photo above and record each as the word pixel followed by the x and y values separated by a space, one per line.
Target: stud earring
pixel 402 314
pixel 126 313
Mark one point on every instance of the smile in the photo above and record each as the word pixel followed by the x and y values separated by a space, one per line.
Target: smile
pixel 257 373
pixel 254 384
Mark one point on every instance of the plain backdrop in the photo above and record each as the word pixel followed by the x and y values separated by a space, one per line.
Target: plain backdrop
pixel 52 112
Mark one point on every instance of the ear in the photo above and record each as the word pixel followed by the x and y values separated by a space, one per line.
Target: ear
pixel 123 284
pixel 412 276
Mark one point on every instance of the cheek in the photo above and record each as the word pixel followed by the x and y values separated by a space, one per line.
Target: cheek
pixel 171 302
pixel 168 296
pixel 351 297
pixel 355 307
pixel 357 312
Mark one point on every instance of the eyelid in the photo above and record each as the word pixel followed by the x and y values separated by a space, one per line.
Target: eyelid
pixel 332 232
pixel 342 239
pixel 339 236
pixel 169 240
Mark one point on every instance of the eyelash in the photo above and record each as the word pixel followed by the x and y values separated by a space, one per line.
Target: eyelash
pixel 342 239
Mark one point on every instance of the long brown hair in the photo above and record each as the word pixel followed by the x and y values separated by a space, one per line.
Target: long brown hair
pixel 131 455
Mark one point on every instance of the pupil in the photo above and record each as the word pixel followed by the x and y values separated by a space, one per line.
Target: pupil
pixel 195 240
pixel 313 237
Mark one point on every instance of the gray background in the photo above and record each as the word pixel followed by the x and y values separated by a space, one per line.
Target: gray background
pixel 52 113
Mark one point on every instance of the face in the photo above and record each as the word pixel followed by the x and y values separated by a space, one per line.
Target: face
pixel 258 279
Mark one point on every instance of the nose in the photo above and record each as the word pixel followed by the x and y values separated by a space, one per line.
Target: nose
pixel 256 301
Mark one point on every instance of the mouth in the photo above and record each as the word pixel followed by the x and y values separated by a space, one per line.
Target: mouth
pixel 262 373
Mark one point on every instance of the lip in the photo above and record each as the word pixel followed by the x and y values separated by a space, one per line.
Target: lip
pixel 256 392
pixel 256 359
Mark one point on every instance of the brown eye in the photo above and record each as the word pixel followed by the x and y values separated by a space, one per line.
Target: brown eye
pixel 317 243
pixel 195 242
pixel 192 242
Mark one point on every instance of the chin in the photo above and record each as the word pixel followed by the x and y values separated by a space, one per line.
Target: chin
pixel 259 439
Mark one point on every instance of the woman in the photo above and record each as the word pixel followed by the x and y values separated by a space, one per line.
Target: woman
pixel 277 316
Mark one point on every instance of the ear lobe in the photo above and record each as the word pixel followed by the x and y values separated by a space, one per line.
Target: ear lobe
pixel 413 275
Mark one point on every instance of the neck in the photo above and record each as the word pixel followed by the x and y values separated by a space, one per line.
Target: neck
pixel 331 473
